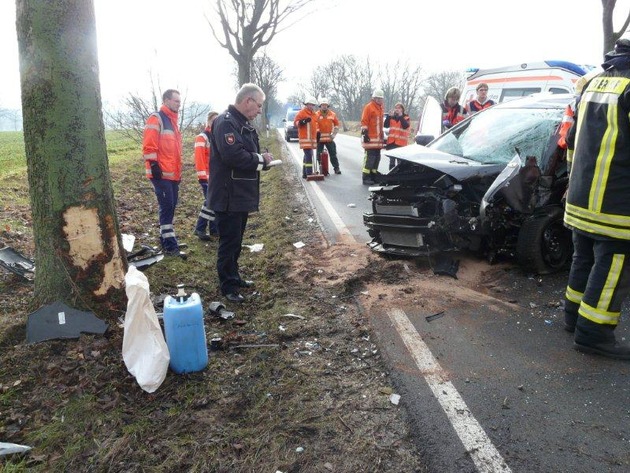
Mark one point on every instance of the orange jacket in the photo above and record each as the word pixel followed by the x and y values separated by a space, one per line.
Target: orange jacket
pixel 202 155
pixel 565 126
pixel 307 134
pixel 162 142
pixel 372 120
pixel 327 125
pixel 397 134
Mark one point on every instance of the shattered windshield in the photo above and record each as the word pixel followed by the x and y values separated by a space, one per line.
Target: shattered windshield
pixel 491 137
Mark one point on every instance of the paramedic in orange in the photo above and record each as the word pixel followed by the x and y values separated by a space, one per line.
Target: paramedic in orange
pixel 398 123
pixel 162 152
pixel 202 165
pixel 372 136
pixel 452 111
pixel 482 101
pixel 327 128
pixel 306 123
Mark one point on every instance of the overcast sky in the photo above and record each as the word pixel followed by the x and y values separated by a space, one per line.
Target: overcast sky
pixel 172 38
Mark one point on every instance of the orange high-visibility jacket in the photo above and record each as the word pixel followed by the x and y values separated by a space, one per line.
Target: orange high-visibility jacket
pixel 565 126
pixel 162 142
pixel 307 134
pixel 202 155
pixel 397 134
pixel 327 125
pixel 372 120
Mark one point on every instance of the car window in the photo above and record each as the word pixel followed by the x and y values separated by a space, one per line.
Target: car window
pixel 511 94
pixel 559 90
pixel 492 137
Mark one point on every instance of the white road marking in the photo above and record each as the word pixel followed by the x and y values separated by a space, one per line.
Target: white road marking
pixel 476 442
pixel 344 234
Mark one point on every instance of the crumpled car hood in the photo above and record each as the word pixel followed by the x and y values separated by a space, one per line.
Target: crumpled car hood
pixel 457 167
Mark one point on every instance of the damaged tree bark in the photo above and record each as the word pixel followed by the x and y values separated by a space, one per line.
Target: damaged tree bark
pixel 78 248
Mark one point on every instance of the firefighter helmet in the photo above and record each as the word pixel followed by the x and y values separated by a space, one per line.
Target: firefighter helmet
pixel 323 101
pixel 378 94
pixel 310 101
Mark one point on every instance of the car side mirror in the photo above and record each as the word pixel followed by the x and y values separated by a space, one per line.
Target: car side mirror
pixel 284 120
pixel 424 139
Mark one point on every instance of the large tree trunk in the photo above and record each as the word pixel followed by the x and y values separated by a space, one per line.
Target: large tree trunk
pixel 78 250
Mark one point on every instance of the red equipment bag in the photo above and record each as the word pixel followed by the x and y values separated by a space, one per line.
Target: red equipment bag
pixel 324 161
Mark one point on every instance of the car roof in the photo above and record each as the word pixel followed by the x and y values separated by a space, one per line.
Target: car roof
pixel 541 100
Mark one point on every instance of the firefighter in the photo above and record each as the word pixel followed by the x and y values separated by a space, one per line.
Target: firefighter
pixel 399 124
pixel 372 136
pixel 597 209
pixel 202 165
pixel 481 102
pixel 327 129
pixel 162 152
pixel 306 123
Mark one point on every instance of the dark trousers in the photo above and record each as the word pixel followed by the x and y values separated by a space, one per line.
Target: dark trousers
pixel 392 161
pixel 167 193
pixel 371 162
pixel 332 153
pixel 307 163
pixel 206 216
pixel 231 228
pixel 599 279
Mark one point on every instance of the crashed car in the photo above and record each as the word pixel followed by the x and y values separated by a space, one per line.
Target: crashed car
pixel 492 184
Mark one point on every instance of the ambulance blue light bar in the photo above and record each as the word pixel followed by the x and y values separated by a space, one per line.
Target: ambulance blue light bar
pixel 568 66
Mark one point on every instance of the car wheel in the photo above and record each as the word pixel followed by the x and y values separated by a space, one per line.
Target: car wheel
pixel 286 137
pixel 544 243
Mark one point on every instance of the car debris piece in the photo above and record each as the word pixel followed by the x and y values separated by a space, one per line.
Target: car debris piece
pixel 218 310
pixel 17 263
pixel 8 448
pixel 146 256
pixel 57 320
pixel 445 266
pixel 430 318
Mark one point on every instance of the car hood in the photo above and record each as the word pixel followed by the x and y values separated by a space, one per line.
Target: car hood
pixel 456 167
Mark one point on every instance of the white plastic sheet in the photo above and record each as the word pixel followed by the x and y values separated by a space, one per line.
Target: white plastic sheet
pixel 144 349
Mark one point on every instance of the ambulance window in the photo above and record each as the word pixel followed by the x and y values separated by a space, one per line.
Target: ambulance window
pixel 558 90
pixel 511 94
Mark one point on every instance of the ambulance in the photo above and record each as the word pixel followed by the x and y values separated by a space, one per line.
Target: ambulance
pixel 512 82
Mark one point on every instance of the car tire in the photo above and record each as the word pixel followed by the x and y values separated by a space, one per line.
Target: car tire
pixel 544 243
pixel 286 137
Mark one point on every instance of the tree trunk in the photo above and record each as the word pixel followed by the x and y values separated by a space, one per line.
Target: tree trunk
pixel 78 249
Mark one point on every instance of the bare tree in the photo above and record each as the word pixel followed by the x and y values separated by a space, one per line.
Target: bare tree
pixel 351 84
pixel 78 248
pixel 248 25
pixel 437 84
pixel 267 75
pixel 610 35
pixel 402 82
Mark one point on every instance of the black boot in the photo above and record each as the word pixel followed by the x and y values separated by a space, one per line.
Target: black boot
pixel 570 319
pixel 600 339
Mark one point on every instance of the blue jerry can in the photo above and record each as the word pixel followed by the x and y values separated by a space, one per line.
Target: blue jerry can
pixel 185 332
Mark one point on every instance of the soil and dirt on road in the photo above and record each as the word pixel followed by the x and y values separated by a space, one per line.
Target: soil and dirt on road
pixel 299 384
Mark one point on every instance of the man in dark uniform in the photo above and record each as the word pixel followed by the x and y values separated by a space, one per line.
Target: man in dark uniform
pixel 597 208
pixel 233 192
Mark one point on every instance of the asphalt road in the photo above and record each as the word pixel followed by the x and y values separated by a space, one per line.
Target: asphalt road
pixel 493 384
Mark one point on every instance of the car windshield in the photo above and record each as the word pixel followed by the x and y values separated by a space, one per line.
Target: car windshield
pixel 493 136
pixel 291 116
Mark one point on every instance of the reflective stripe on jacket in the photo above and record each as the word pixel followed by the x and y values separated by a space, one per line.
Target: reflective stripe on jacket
pixel 398 130
pixel 162 142
pixel 475 106
pixel 202 155
pixel 598 196
pixel 372 120
pixel 327 125
pixel 307 134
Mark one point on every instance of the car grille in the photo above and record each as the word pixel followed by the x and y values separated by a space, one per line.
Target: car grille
pixel 405 210
pixel 408 239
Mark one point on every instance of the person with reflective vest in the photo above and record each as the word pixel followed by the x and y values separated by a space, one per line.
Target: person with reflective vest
pixel 162 152
pixel 202 165
pixel 372 136
pixel 597 209
pixel 481 102
pixel 327 128
pixel 399 124
pixel 452 111
pixel 306 123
